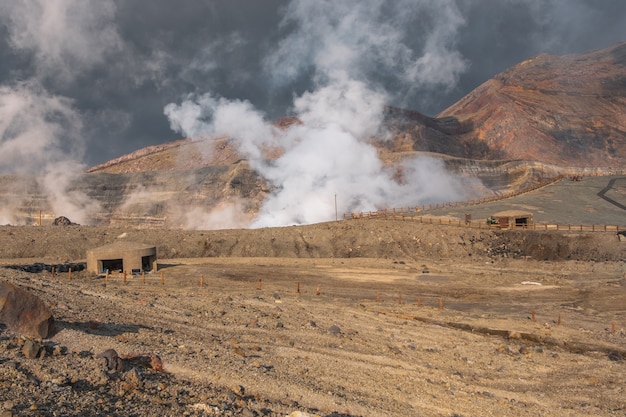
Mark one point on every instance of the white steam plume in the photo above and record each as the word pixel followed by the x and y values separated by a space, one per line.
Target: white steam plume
pixel 65 37
pixel 410 41
pixel 36 129
pixel 226 215
pixel 40 135
pixel 330 153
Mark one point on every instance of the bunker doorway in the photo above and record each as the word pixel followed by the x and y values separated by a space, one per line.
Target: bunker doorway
pixel 111 265
pixel 146 263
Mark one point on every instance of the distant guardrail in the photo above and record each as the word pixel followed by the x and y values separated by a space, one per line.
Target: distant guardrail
pixel 483 225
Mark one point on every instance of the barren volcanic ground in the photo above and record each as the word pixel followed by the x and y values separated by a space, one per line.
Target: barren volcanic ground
pixel 351 318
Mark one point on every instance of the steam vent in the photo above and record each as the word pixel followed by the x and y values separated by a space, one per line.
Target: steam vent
pixel 122 256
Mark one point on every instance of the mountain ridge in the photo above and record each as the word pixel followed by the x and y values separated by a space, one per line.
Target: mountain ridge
pixel 567 110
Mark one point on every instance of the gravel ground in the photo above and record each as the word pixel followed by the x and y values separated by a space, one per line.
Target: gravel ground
pixel 412 320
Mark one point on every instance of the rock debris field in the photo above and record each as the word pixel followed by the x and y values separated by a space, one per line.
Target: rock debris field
pixel 351 318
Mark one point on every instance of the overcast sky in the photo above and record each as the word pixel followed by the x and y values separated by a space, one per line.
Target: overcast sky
pixel 93 78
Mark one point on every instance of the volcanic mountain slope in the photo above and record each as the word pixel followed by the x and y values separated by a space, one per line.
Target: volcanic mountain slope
pixel 562 110
pixel 546 116
pixel 568 111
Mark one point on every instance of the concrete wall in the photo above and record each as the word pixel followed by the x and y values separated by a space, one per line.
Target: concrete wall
pixel 132 257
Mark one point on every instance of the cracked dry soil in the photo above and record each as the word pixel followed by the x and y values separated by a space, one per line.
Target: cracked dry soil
pixel 426 321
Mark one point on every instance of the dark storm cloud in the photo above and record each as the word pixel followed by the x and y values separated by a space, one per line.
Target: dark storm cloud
pixel 116 64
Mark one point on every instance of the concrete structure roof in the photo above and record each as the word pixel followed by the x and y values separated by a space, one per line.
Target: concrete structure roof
pixel 122 246
pixel 513 213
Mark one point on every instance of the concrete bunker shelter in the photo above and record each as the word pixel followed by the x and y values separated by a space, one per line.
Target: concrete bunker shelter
pixel 510 219
pixel 122 256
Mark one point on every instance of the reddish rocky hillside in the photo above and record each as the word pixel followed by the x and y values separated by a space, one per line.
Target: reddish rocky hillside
pixel 563 110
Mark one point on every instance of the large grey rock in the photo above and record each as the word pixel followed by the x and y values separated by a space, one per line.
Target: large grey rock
pixel 111 360
pixel 24 313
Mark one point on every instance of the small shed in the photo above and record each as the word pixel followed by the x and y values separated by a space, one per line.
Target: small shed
pixel 122 256
pixel 510 219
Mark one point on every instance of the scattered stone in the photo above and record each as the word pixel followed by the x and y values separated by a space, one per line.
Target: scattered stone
pixel 511 350
pixel 31 349
pixel 133 379
pixel 60 381
pixel 246 412
pixel 239 390
pixel 394 349
pixel 514 335
pixel 111 360
pixel 334 329
pixel 25 313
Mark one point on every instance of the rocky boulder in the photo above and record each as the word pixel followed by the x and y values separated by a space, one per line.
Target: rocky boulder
pixel 24 313
pixel 62 221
